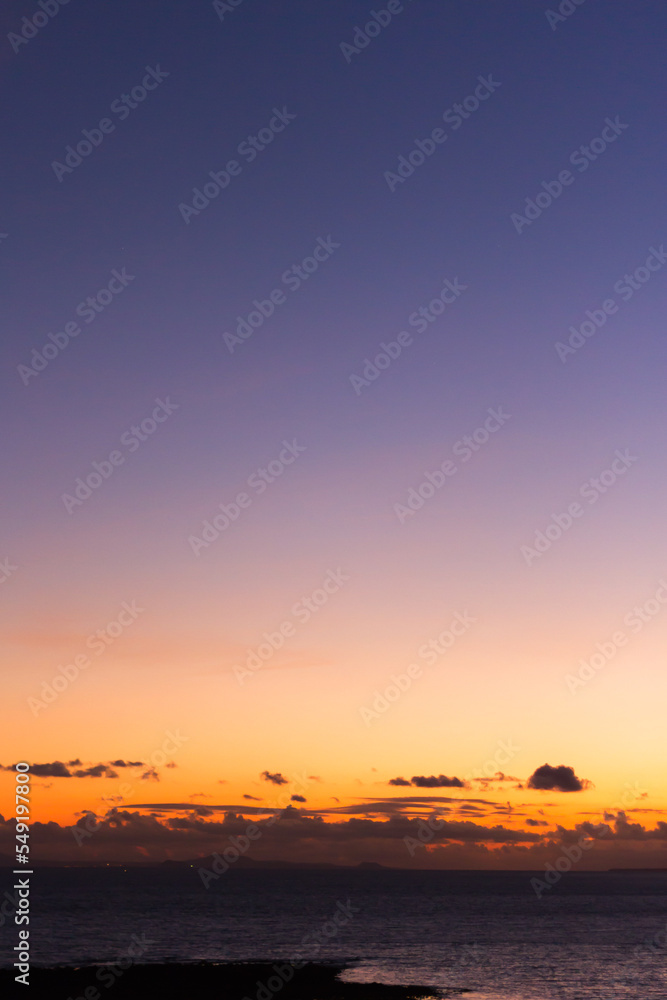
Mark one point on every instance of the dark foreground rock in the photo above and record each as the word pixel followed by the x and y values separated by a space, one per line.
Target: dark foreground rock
pixel 205 981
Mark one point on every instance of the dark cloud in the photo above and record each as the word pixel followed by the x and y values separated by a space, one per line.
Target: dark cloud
pixel 252 798
pixel 407 799
pixel 55 770
pixel 150 775
pixel 376 806
pixel 439 781
pixel 275 779
pixel 224 808
pixel 557 779
pixel 431 781
pixel 536 822
pixel 298 798
pixel 136 835
pixel 616 828
pixel 122 836
pixel 96 771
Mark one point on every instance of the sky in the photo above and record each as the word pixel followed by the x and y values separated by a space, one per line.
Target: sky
pixel 332 386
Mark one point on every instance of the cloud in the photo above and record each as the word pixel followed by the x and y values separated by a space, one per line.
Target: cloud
pixel 96 771
pixel 616 828
pixel 408 806
pixel 276 779
pixel 150 775
pixel 293 830
pixel 557 779
pixel 433 781
pixel 225 808
pixel 297 798
pixel 122 836
pixel 57 769
pixel 442 781
pixel 411 804
pixel 253 798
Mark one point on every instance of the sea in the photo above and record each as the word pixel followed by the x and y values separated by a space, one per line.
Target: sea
pixel 592 935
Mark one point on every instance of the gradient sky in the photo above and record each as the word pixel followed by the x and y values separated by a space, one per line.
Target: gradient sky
pixel 340 506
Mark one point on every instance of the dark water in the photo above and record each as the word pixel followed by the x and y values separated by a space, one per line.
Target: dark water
pixel 594 935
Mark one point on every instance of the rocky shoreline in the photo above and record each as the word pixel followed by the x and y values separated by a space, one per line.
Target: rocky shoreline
pixel 233 981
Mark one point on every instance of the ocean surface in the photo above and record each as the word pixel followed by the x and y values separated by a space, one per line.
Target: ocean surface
pixel 594 935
